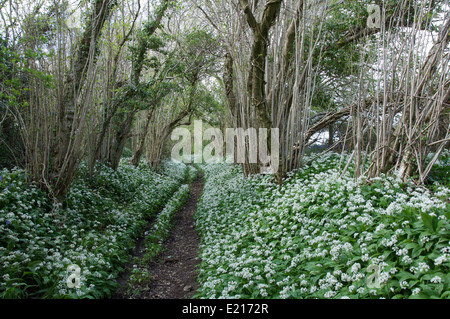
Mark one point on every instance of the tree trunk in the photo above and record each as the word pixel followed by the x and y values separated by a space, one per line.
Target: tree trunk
pixel 330 135
pixel 66 149
pixel 259 55
pixel 141 144
pixel 120 140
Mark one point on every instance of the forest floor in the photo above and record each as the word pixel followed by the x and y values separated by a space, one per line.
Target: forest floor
pixel 173 273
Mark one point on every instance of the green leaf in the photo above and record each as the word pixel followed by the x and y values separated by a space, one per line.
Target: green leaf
pixel 404 275
pixel 417 252
pixel 429 221
pixel 446 295
pixel 412 246
pixel 419 296
pixel 429 245
pixel 447 214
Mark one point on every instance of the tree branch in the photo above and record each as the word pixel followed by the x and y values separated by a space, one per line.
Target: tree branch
pixel 249 15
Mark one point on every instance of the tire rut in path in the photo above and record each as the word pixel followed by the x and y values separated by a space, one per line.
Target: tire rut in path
pixel 174 271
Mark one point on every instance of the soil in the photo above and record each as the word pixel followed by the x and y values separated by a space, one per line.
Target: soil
pixel 173 273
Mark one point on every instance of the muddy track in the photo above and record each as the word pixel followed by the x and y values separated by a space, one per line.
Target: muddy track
pixel 174 271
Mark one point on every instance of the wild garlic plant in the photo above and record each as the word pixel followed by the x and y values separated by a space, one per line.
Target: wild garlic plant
pixel 322 234
pixel 95 229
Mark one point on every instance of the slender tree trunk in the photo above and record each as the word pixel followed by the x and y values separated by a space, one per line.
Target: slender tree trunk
pixel 259 55
pixel 66 149
pixel 137 67
pixel 141 143
pixel 121 138
pixel 330 135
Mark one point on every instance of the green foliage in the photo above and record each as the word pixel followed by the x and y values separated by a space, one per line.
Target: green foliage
pixel 11 92
pixel 198 54
pixel 345 18
pixel 139 277
pixel 209 106
pixel 440 172
pixel 127 153
pixel 321 235
pixel 95 228
pixel 16 74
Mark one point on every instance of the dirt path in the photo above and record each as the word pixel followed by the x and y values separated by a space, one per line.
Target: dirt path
pixel 174 270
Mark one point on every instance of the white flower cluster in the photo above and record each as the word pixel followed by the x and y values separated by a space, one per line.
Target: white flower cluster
pixel 288 241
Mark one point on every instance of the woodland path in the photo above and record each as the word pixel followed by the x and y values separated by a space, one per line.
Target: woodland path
pixel 174 271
